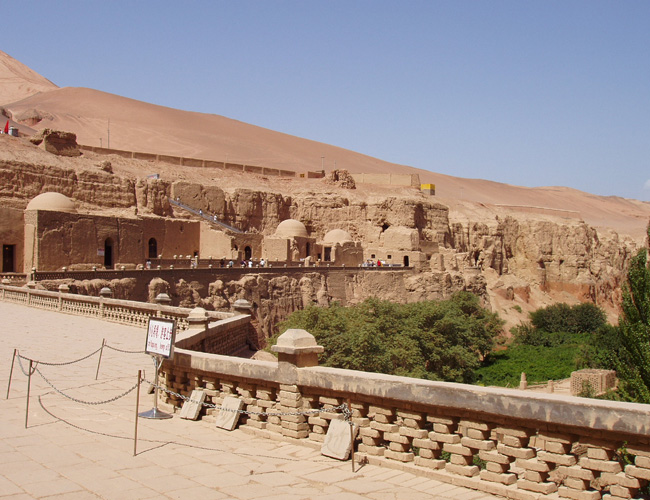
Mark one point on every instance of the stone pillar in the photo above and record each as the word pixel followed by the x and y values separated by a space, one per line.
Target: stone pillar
pixel 296 349
pixel 198 318
pixel 63 288
pixel 242 306
pixel 163 299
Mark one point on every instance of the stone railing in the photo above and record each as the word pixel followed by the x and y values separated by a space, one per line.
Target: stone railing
pixel 13 278
pixel 507 442
pixel 171 269
pixel 127 312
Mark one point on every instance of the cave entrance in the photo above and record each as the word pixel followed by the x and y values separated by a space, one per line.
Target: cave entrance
pixel 153 248
pixel 248 253
pixel 108 253
pixel 8 258
pixel 406 261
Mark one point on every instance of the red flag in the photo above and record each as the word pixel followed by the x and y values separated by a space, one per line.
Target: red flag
pixel 7 127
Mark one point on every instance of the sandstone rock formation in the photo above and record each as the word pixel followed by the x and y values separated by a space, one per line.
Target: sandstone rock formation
pixel 515 261
pixel 57 142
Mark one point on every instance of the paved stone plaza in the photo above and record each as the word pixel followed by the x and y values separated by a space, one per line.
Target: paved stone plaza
pixel 77 451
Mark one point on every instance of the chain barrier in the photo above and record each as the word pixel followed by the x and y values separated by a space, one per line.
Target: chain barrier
pixel 27 373
pixel 60 364
pixel 345 410
pixel 76 400
pixel 347 413
pixel 123 350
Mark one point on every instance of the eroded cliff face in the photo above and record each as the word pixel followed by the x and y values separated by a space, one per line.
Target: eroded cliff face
pixel 508 260
pixel 22 182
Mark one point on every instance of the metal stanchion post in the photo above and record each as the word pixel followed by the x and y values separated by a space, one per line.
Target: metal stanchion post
pixel 100 358
pixel 137 407
pixel 155 413
pixel 351 433
pixel 11 371
pixel 29 383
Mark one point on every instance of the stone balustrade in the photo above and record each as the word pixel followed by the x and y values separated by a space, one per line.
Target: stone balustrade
pixel 127 312
pixel 508 442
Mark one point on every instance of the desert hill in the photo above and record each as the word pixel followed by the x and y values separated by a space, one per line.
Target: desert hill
pixel 519 248
pixel 17 81
pixel 33 101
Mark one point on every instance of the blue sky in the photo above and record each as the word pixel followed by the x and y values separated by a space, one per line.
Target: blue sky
pixel 540 93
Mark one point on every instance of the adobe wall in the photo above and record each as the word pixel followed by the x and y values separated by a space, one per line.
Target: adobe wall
pixel 57 239
pixel 12 233
pixel 216 244
pixel 276 248
pixel 388 179
pixel 196 162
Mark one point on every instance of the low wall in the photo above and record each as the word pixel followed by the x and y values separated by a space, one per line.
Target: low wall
pixel 127 312
pixel 501 441
pixel 227 336
pixel 388 179
pixel 193 162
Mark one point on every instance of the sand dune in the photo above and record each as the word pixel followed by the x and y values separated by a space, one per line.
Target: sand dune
pixel 17 81
pixel 103 119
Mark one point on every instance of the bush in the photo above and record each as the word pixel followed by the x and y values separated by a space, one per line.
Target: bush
pixel 443 340
pixel 539 363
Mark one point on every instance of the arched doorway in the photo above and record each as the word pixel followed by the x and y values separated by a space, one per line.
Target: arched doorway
pixel 153 248
pixel 406 261
pixel 248 253
pixel 108 253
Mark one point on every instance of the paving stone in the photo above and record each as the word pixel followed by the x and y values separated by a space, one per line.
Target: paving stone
pixel 81 452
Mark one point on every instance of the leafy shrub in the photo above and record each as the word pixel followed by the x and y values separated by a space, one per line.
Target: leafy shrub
pixel 437 340
pixel 539 363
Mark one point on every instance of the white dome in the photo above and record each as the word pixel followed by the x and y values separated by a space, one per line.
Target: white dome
pixel 55 202
pixel 291 228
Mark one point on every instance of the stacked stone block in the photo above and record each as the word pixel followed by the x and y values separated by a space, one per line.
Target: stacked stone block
pixel 531 472
pixel 600 458
pixel 264 400
pixel 405 426
pixel 428 449
pixel 290 399
pixel 246 393
pixel 445 434
pixel 498 462
pixel 319 423
pixel 635 476
pixel 210 385
pixel 381 422
pixel 410 428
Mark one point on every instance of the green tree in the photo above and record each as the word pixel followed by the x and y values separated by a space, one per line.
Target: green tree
pixel 632 360
pixel 443 340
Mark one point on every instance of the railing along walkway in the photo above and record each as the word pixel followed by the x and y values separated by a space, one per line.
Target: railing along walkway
pixel 127 312
pixel 209 218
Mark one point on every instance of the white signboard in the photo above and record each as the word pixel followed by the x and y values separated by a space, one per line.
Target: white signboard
pixel 160 337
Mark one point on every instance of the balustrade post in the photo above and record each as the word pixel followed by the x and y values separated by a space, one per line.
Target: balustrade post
pixel 296 349
pixel 63 288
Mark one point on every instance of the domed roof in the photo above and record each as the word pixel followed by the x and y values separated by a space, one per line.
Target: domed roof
pixel 56 202
pixel 337 236
pixel 290 228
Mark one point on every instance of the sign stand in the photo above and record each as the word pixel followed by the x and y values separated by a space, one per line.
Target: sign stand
pixel 155 412
pixel 161 333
